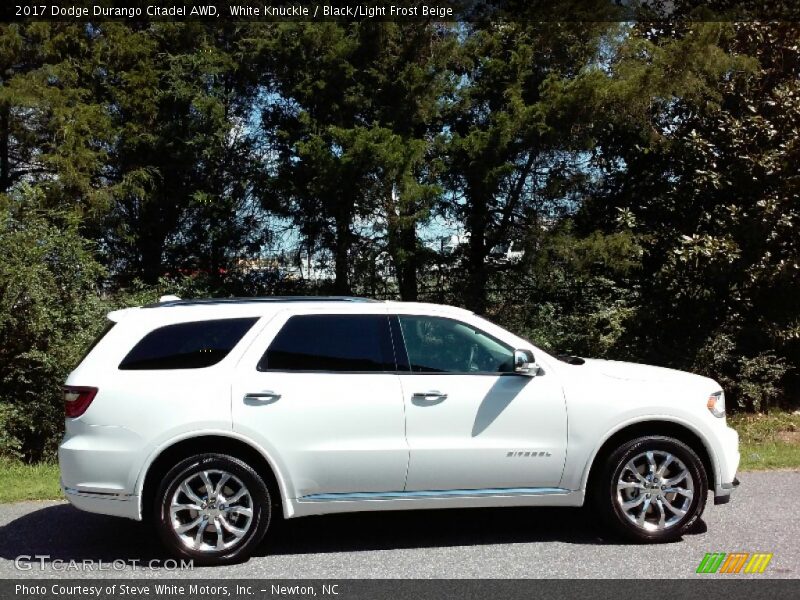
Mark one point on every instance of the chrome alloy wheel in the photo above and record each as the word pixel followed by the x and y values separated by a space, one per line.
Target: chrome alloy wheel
pixel 211 511
pixel 655 490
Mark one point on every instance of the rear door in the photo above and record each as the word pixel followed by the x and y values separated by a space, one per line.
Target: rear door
pixel 319 391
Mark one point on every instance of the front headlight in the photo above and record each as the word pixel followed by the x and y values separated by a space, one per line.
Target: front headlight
pixel 716 404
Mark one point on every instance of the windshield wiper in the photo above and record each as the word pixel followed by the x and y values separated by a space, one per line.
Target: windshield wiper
pixel 570 360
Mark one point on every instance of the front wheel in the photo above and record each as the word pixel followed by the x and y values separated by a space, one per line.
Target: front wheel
pixel 652 489
pixel 213 509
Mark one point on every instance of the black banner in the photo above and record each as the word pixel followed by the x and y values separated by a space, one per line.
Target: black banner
pixel 712 588
pixel 402 10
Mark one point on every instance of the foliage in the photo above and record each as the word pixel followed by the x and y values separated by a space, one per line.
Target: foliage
pixel 647 172
pixel 582 298
pixel 753 382
pixel 184 163
pixel 49 305
pixel 350 113
pixel 53 126
pixel 707 177
pixel 508 149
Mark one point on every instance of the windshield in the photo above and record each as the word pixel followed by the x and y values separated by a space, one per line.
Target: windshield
pixel 554 352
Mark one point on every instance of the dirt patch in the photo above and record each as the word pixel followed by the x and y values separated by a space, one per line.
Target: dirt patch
pixel 789 437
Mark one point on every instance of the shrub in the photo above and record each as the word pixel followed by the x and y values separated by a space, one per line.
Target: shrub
pixel 49 309
pixel 751 383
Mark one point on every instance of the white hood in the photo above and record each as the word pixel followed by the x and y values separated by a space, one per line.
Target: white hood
pixel 636 372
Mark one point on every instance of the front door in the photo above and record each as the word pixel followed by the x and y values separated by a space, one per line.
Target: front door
pixel 471 422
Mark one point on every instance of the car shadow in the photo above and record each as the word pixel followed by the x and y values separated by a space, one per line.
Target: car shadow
pixel 353 532
pixel 502 393
pixel 62 532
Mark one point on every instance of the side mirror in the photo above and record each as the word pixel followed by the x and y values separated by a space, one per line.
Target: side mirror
pixel 524 363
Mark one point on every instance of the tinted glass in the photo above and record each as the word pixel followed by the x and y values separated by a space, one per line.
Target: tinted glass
pixel 97 340
pixel 187 345
pixel 331 343
pixel 438 345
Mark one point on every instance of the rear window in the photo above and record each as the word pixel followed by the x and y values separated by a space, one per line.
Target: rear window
pixel 187 345
pixel 97 340
pixel 343 343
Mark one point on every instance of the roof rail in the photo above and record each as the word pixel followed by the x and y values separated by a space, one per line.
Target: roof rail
pixel 257 299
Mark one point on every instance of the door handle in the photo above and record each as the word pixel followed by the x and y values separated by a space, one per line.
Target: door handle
pixel 265 397
pixel 431 396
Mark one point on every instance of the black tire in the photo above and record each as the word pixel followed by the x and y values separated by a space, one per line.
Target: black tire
pixel 654 500
pixel 234 549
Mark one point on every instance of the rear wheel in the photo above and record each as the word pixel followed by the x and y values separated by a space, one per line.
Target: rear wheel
pixel 652 489
pixel 213 509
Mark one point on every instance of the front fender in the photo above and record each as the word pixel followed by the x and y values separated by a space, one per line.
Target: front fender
pixel 577 471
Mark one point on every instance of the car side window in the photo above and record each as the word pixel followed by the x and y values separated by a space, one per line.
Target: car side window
pixel 193 345
pixel 441 345
pixel 343 343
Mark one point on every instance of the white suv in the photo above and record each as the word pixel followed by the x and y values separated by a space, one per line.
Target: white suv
pixel 212 417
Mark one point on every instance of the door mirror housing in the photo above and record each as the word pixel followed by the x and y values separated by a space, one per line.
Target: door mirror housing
pixel 524 363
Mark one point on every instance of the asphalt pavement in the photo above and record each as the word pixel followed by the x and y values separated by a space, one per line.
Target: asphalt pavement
pixel 474 543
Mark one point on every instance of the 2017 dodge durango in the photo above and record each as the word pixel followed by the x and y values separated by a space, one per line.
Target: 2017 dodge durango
pixel 214 417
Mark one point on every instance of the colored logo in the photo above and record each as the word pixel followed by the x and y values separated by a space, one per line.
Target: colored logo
pixel 735 562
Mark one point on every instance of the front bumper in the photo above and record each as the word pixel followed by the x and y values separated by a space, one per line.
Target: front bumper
pixel 727 463
pixel 722 494
pixel 116 505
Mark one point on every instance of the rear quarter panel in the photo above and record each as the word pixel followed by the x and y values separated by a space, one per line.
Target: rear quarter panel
pixel 137 412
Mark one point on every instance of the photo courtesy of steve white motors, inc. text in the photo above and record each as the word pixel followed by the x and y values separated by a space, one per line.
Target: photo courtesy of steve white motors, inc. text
pixel 138 590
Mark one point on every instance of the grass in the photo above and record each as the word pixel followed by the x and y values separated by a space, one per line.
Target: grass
pixel 19 481
pixel 766 442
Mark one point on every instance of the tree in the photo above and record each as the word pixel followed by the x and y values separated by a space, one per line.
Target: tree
pixel 352 112
pixel 310 101
pixel 703 165
pixel 53 129
pixel 412 76
pixel 184 158
pixel 502 147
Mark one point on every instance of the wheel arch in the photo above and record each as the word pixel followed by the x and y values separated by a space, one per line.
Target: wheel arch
pixel 660 426
pixel 168 455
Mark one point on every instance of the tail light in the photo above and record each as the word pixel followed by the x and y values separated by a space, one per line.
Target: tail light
pixel 77 399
